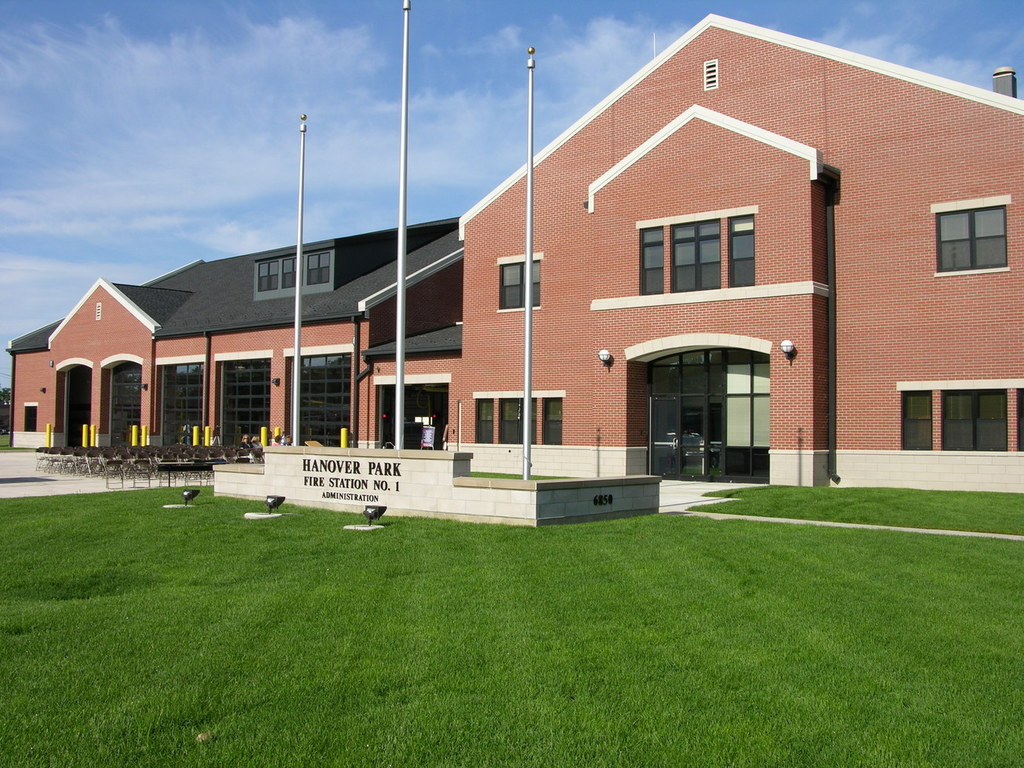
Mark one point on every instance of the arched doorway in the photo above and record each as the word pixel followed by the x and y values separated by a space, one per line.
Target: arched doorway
pixel 78 388
pixel 709 415
pixel 125 401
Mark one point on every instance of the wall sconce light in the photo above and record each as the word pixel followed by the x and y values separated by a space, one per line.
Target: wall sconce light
pixel 43 390
pixel 606 358
pixel 788 349
pixel 276 382
pixel 145 386
pixel 51 363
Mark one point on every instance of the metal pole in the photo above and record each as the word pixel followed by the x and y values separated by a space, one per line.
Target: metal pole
pixel 403 183
pixel 300 269
pixel 527 411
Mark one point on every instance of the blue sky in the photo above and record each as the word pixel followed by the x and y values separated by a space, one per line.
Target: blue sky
pixel 136 137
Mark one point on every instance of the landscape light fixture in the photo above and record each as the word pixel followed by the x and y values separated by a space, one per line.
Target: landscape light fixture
pixel 273 502
pixel 788 349
pixel 373 514
pixel 605 357
pixel 189 494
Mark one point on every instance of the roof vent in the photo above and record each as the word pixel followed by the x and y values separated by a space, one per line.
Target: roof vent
pixel 710 75
pixel 1004 81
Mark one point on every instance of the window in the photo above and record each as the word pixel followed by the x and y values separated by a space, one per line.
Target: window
pixel 553 421
pixel 917 421
pixel 510 426
pixel 266 279
pixel 974 421
pixel 972 239
pixel 696 259
pixel 741 251
pixel 245 386
pixel 652 261
pixel 125 402
pixel 182 395
pixel 30 418
pixel 512 290
pixel 288 273
pixel 318 268
pixel 485 421
pixel 324 399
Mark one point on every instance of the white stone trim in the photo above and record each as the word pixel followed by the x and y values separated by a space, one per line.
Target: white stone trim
pixel 30 404
pixel 414 378
pixel 518 259
pixel 957 384
pixel 941 84
pixel 968 205
pixel 697 112
pixel 71 362
pixel 518 394
pixel 655 348
pixel 113 360
pixel 256 354
pixel 323 349
pixel 776 290
pixel 181 360
pixel 960 272
pixel 690 218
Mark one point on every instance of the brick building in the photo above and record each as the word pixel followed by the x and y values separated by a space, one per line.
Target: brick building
pixel 746 188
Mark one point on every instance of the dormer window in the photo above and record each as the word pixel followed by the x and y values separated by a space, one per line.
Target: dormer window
pixel 275 277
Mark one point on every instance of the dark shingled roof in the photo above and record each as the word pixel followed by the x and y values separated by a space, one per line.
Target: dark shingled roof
pixel 219 295
pixel 442 340
pixel 35 340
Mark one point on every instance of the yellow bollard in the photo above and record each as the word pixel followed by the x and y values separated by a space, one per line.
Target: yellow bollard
pixel 207 430
pixel 135 435
pixel 145 435
pixel 85 436
pixel 195 435
pixel 344 437
pixel 277 432
pixel 264 432
pixel 49 435
pixel 95 431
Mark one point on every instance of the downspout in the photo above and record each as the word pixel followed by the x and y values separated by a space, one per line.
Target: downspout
pixel 10 405
pixel 831 201
pixel 206 379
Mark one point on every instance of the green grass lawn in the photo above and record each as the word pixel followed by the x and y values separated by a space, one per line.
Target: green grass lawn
pixel 126 630
pixel 947 510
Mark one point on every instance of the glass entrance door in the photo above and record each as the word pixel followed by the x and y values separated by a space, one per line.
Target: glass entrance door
pixel 709 416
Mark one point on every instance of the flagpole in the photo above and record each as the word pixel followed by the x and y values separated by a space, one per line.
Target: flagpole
pixel 403 182
pixel 300 269
pixel 527 411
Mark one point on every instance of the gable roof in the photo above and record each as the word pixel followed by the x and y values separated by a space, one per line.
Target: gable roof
pixel 218 295
pixel 897 71
pixel 810 154
pixel 118 295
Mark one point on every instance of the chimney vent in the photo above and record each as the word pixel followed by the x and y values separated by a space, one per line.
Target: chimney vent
pixel 1004 81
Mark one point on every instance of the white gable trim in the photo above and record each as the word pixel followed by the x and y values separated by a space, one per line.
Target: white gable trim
pixel 431 269
pixel 944 85
pixel 697 112
pixel 123 300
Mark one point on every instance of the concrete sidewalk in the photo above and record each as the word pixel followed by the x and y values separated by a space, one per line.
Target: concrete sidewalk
pixel 18 478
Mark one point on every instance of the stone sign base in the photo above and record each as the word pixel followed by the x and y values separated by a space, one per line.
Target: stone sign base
pixel 431 484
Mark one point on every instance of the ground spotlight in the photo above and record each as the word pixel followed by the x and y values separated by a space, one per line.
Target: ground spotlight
pixel 373 514
pixel 189 494
pixel 273 502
